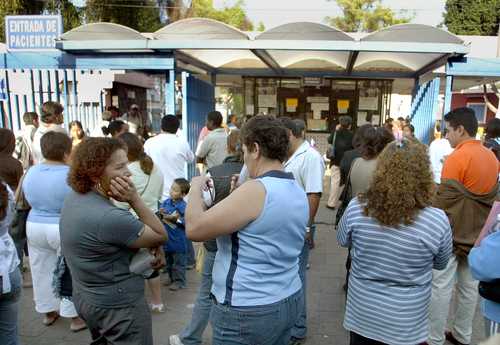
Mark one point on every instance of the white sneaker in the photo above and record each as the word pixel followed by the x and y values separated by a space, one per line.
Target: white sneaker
pixel 175 340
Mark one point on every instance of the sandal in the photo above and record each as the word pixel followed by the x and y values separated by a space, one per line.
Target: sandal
pixel 49 320
pixel 77 327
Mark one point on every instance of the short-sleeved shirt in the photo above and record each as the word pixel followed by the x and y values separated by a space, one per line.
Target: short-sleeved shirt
pixel 214 147
pixel 149 187
pixel 170 153
pixel 44 128
pixel 307 167
pixel 473 165
pixel 176 232
pixel 45 186
pixel 391 273
pixel 95 240
pixel 439 149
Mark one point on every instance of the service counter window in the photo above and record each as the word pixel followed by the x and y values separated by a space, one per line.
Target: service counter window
pixel 267 96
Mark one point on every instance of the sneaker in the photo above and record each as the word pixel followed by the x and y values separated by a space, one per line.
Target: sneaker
pixel 157 308
pixel 176 286
pixel 175 340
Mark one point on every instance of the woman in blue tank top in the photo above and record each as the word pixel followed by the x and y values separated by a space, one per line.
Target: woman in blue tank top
pixel 260 230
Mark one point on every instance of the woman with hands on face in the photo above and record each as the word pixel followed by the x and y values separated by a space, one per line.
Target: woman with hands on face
pixel 99 239
pixel 260 229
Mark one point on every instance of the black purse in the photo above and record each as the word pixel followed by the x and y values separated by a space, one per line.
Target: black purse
pixel 490 290
pixel 345 196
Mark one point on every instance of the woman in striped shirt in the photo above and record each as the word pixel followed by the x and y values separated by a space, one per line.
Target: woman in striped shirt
pixel 397 238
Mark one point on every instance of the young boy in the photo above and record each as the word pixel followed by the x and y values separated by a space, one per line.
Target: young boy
pixel 172 214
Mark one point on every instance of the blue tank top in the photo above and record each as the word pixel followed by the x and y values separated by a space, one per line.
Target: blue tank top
pixel 259 264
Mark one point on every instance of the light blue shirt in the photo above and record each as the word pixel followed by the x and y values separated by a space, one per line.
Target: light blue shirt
pixel 391 273
pixel 259 264
pixel 45 186
pixel 483 263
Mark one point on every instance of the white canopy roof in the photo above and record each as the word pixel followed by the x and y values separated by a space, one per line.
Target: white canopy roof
pixel 408 49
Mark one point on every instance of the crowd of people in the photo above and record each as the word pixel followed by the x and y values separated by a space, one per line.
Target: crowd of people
pixel 115 214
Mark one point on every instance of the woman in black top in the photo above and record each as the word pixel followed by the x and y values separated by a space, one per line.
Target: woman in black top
pixel 341 140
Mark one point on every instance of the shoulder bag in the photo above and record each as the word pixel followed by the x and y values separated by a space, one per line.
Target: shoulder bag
pixel 330 152
pixel 345 196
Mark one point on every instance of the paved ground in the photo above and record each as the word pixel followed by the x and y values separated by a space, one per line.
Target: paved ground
pixel 325 303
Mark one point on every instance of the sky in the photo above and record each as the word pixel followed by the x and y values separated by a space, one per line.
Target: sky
pixel 276 12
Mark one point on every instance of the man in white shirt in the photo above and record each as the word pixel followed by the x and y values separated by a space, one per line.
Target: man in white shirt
pixel 308 168
pixel 51 120
pixel 24 139
pixel 138 123
pixel 213 149
pixel 438 150
pixel 169 152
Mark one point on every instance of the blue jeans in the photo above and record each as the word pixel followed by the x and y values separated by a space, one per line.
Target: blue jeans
pixel 300 329
pixel 264 325
pixel 9 307
pixel 192 334
pixel 190 256
pixel 176 267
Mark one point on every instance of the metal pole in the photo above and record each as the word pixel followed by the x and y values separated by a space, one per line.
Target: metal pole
pixel 25 103
pixel 18 111
pixel 2 115
pixel 58 92
pixel 32 83
pixel 9 105
pixel 40 90
pixel 49 85
pixel 74 92
pixel 447 95
pixel 170 93
pixel 66 96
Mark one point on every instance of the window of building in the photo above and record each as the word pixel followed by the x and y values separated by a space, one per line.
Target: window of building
pixel 479 111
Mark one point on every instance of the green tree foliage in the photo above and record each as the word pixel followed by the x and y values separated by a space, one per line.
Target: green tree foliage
pixel 364 15
pixel 261 27
pixel 472 17
pixel 141 15
pixel 70 14
pixel 233 15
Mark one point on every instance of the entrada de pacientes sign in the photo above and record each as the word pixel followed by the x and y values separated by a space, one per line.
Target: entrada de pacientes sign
pixel 32 32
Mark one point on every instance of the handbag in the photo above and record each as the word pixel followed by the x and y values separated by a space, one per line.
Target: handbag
pixel 345 196
pixel 490 290
pixel 22 209
pixel 330 152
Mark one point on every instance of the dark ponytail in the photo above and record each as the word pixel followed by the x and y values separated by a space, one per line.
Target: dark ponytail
pixel 136 152
pixel 4 200
pixel 113 127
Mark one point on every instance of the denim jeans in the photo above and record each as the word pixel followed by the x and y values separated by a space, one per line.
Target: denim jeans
pixel 264 325
pixel 300 329
pixel 9 307
pixel 192 334
pixel 190 255
pixel 176 267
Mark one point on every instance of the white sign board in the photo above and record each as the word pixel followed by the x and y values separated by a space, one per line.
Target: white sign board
pixel 32 32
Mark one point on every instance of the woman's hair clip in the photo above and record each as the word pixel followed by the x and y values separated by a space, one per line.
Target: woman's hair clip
pixel 400 141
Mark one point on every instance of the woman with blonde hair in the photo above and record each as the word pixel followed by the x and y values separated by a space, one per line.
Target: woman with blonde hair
pixel 396 239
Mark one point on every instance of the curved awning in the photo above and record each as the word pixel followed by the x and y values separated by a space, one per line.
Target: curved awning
pixel 102 31
pixel 290 49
